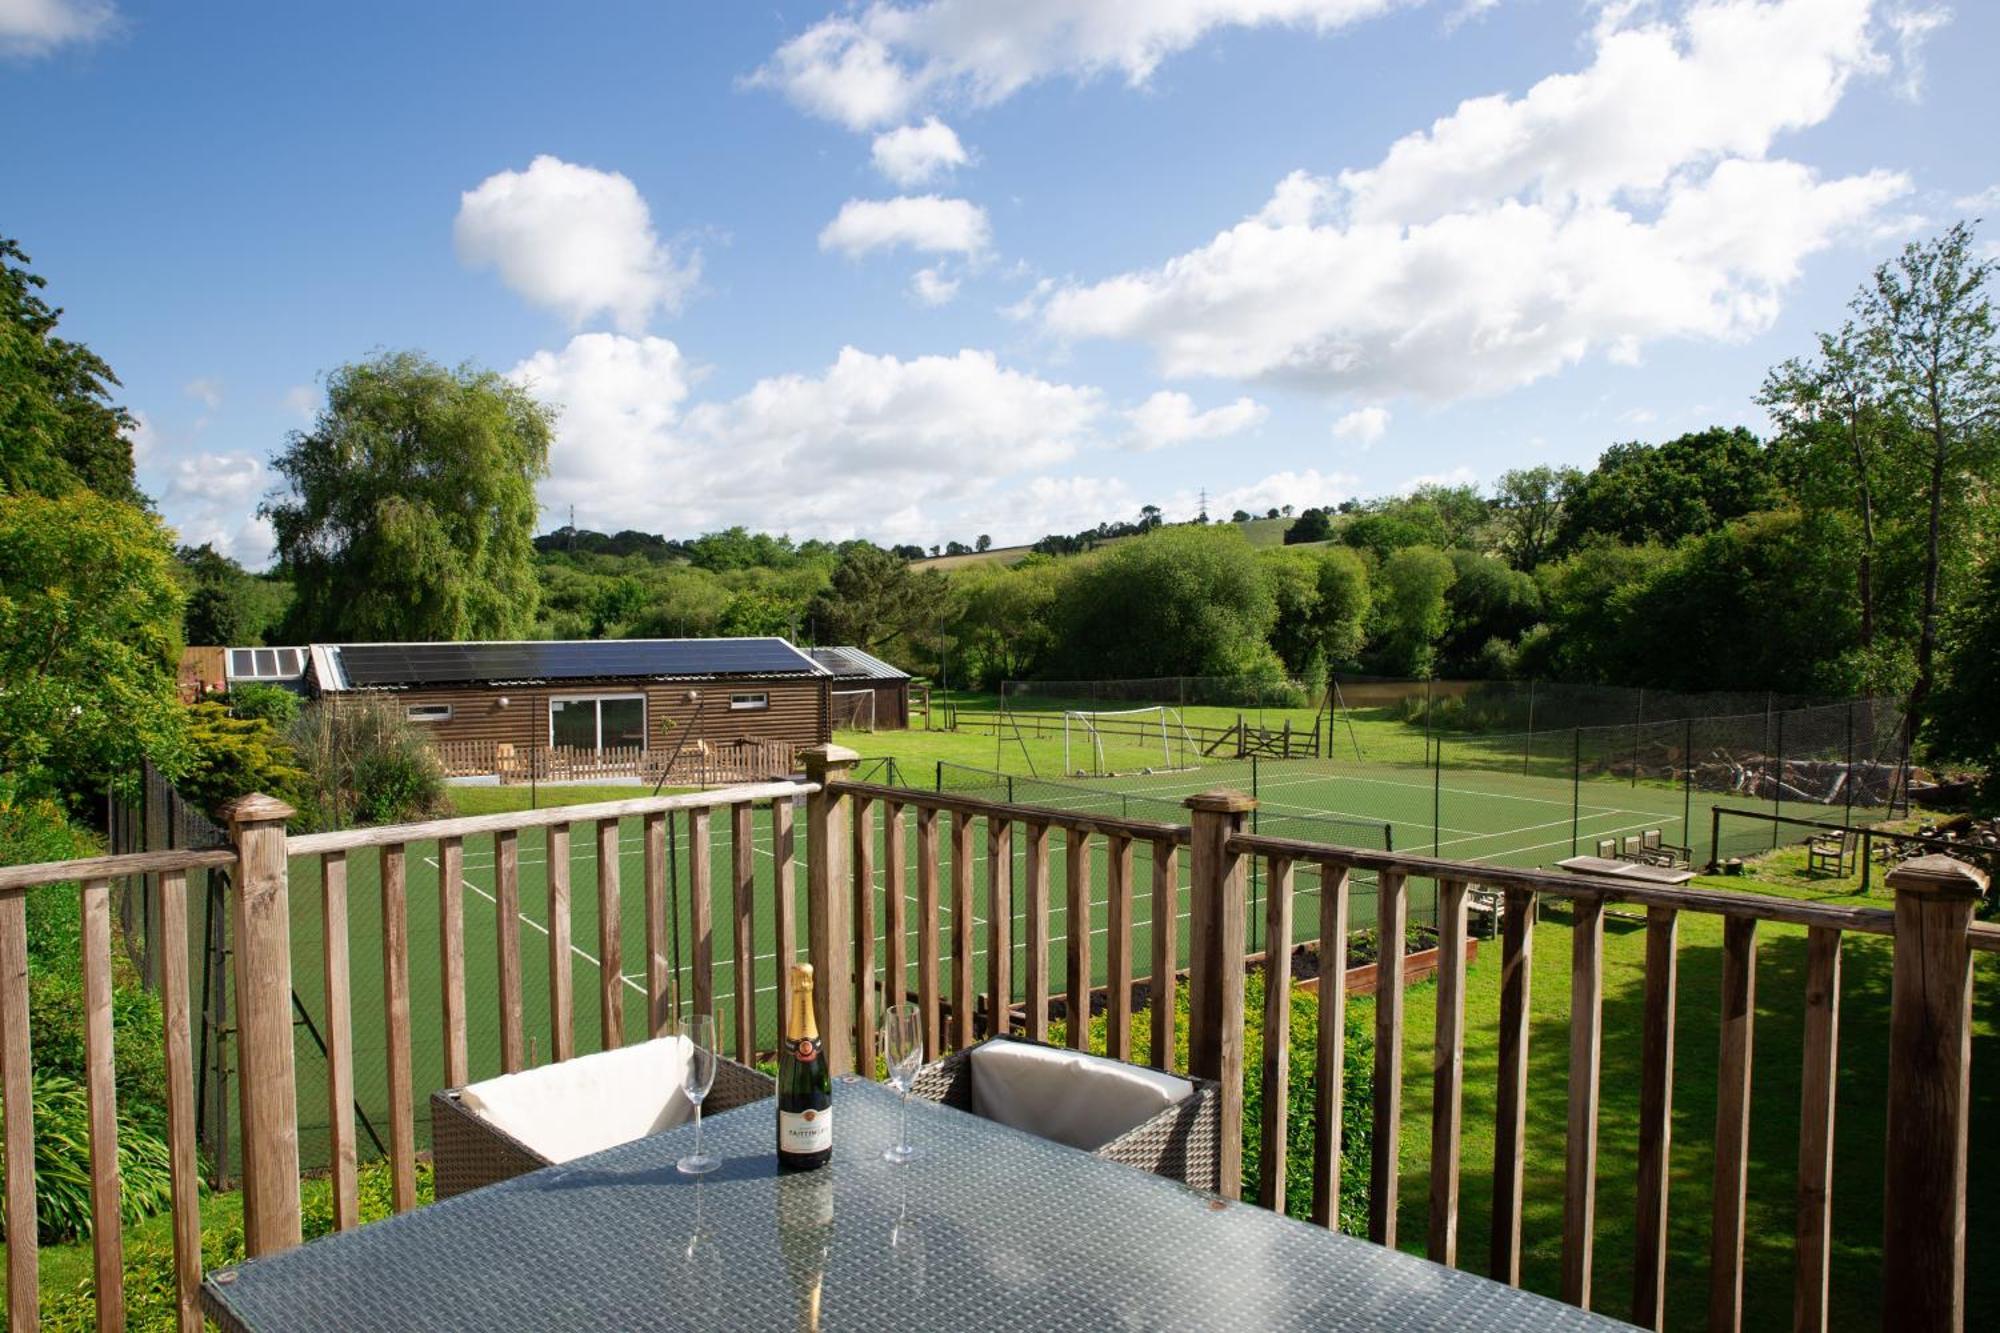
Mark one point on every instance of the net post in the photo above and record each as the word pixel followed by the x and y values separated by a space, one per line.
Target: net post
pixel 1849 784
pixel 1575 785
pixel 1778 785
pixel 940 776
pixel 1687 776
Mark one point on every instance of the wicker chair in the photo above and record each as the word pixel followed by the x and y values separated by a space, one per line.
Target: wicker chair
pixel 469 1151
pixel 1182 1142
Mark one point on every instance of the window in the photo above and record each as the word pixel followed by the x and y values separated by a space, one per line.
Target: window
pixel 598 722
pixel 428 712
pixel 745 703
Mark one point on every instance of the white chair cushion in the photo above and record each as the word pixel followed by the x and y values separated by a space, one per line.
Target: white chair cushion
pixel 1082 1100
pixel 581 1106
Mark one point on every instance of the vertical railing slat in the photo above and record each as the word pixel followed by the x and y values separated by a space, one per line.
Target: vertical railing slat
pixel 1447 1074
pixel 451 959
pixel 507 938
pixel 1732 1122
pixel 1038 930
pixel 701 925
pixel 1817 1091
pixel 743 938
pixel 1118 947
pixel 17 1105
pixel 999 924
pixel 1166 949
pixel 864 935
pixel 1277 1032
pixel 660 997
pixel 266 1073
pixel 927 930
pixel 962 996
pixel 177 1021
pixel 1656 1117
pixel 610 940
pixel 342 1151
pixel 1330 1068
pixel 100 1088
pixel 396 1018
pixel 829 931
pixel 1392 914
pixel 1218 924
pixel 1076 930
pixel 895 906
pixel 562 992
pixel 1586 1052
pixel 784 896
pixel 1510 1107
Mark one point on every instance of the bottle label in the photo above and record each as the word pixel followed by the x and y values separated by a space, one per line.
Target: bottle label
pixel 805 1131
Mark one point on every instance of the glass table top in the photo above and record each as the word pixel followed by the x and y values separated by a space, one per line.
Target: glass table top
pixel 988 1228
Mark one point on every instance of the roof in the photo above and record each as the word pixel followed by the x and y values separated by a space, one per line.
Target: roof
pixel 853 664
pixel 363 666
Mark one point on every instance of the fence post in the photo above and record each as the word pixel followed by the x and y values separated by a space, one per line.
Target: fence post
pixel 1575 785
pixel 265 1081
pixel 1930 1059
pixel 829 938
pixel 1217 917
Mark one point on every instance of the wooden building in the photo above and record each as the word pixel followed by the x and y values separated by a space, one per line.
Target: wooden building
pixel 603 706
pixel 866 693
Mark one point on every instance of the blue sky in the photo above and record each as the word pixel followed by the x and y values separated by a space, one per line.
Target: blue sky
pixel 934 268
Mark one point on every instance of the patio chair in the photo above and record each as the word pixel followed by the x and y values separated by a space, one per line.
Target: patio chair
pixel 1831 851
pixel 1607 848
pixel 1161 1123
pixel 1630 851
pixel 1657 851
pixel 487 1132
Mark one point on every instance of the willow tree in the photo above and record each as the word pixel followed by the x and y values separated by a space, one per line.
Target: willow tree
pixel 411 505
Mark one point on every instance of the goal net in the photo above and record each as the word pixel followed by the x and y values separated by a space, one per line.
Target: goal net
pixel 853 710
pixel 1127 740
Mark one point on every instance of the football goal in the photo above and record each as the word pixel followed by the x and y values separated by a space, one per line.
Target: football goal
pixel 1128 740
pixel 853 710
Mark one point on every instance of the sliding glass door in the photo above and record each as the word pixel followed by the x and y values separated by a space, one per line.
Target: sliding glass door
pixel 597 721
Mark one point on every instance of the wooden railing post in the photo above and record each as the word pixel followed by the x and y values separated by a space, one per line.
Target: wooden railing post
pixel 1215 964
pixel 1930 1059
pixel 830 940
pixel 263 922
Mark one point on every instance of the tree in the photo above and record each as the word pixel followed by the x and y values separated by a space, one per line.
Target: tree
pixel 1489 600
pixel 1410 608
pixel 1964 719
pixel 1528 507
pixel 908 552
pixel 1311 526
pixel 412 504
pixel 1662 493
pixel 1930 337
pixel 1185 601
pixel 872 597
pixel 59 428
pixel 1837 400
pixel 227 604
pixel 1149 516
pixel 1243 516
pixel 90 617
pixel 1322 606
pixel 985 543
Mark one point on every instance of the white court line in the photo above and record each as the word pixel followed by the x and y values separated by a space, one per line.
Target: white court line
pixel 573 948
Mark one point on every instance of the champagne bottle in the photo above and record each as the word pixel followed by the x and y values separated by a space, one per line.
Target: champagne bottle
pixel 805 1088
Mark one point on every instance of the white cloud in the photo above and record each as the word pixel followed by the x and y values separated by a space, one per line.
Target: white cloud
pixel 30 28
pixel 1169 418
pixel 1988 198
pixel 933 288
pixel 917 154
pixel 923 222
pixel 813 454
pixel 144 437
pixel 873 66
pixel 1599 212
pixel 1308 488
pixel 302 401
pixel 210 499
pixel 205 391
pixel 574 240
pixel 1365 425
pixel 1912 25
pixel 1458 476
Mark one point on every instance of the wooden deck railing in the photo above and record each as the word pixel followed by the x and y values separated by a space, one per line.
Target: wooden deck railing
pixel 699 764
pixel 862 963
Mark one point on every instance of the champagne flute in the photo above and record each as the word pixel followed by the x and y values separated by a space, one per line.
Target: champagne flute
pixel 903 1050
pixel 698 1030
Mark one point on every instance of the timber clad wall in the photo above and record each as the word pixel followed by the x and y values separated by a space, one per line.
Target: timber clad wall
pixel 796 712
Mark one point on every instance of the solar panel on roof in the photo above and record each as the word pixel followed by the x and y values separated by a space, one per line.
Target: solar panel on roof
pixel 457 663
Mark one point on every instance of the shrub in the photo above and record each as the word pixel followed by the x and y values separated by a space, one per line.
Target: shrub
pixel 270 703
pixel 62 1163
pixel 232 756
pixel 364 765
pixel 35 828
